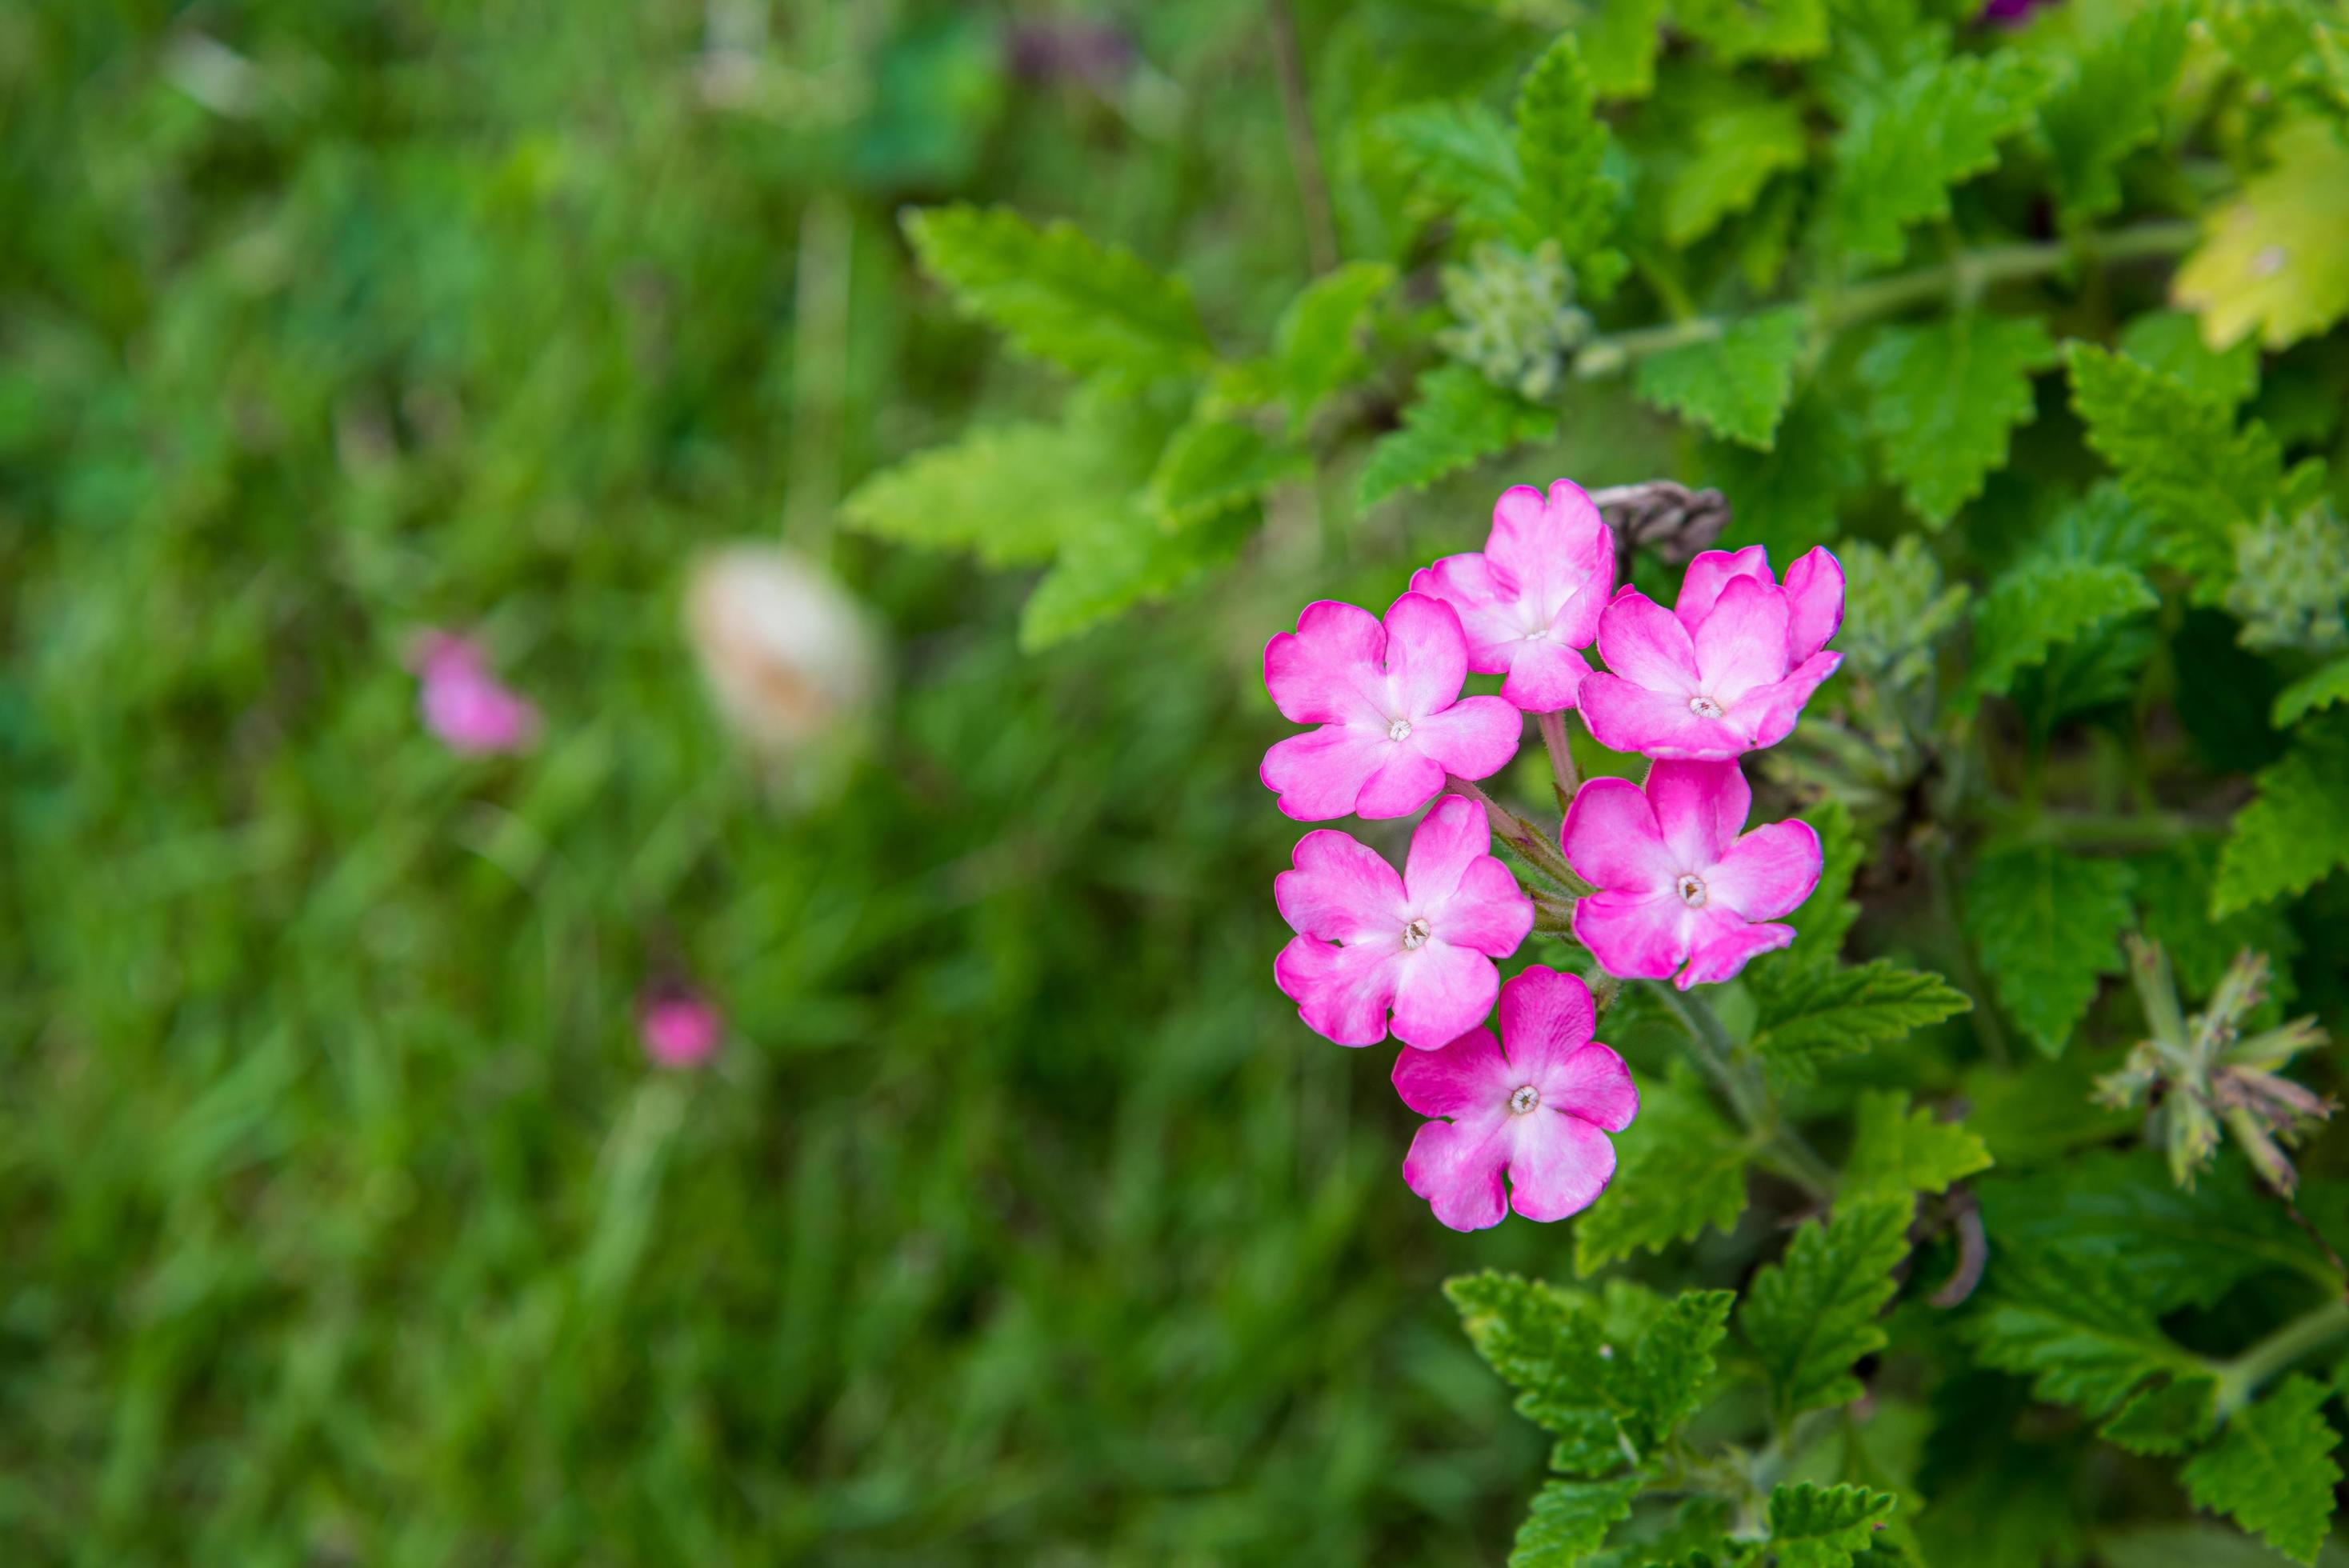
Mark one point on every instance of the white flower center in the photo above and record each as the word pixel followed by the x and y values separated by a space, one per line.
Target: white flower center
pixel 1416 934
pixel 1691 891
pixel 1399 731
pixel 1704 707
pixel 1524 1099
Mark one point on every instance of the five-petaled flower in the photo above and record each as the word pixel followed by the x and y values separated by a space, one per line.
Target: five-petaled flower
pixel 1533 596
pixel 1680 888
pixel 1727 669
pixel 1534 1109
pixel 1420 946
pixel 1387 699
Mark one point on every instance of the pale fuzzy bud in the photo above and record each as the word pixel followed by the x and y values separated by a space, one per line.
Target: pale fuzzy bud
pixel 1514 316
pixel 2274 1168
pixel 2190 1135
pixel 2288 583
pixel 2130 1086
pixel 794 663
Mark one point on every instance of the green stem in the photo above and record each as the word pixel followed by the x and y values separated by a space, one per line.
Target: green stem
pixel 1964 275
pixel 2241 1378
pixel 1561 756
pixel 1538 850
pixel 1710 1044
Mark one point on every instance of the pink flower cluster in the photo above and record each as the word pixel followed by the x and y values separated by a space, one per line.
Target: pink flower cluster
pixel 1680 889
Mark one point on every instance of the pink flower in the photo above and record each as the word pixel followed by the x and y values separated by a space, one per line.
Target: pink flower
pixel 1420 945
pixel 1535 1108
pixel 1728 669
pixel 680 1028
pixel 1678 885
pixel 1387 698
pixel 1533 596
pixel 466 706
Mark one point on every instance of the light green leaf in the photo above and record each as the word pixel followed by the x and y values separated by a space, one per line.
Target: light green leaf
pixel 1812 1315
pixel 1124 561
pixel 1569 1519
pixel 1457 418
pixel 2289 47
pixel 2312 693
pixel 2038 603
pixel 1745 30
pixel 2276 262
pixel 2296 832
pixel 2047 926
pixel 1315 348
pixel 1825 1526
pixel 2170 342
pixel 1788 499
pixel 1808 1020
pixel 1059 295
pixel 1944 398
pixel 2166 1418
pixel 1679 1168
pixel 1897 1153
pixel 1736 385
pixel 1556 1357
pixel 1739 145
pixel 1562 193
pixel 1674 1364
pixel 1008 495
pixel 1212 466
pixel 2272 1469
pixel 1619 44
pixel 1939 125
pixel 2109 104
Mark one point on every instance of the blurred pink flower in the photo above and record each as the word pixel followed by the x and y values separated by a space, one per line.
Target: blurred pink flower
pixel 467 706
pixel 1533 597
pixel 680 1028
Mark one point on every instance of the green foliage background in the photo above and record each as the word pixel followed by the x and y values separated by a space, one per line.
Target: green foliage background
pixel 340 1217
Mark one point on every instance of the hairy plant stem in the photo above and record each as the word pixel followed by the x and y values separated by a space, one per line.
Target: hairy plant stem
pixel 1784 1149
pixel 1561 756
pixel 1304 150
pixel 1962 277
pixel 1539 850
pixel 2241 1378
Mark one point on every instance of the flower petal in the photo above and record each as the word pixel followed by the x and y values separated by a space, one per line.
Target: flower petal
pixel 1713 571
pixel 1627 718
pixel 1342 993
pixel 1700 806
pixel 1442 992
pixel 1448 840
pixel 1328 671
pixel 1593 1084
pixel 1644 645
pixel 1766 715
pixel 1814 603
pixel 1319 774
pixel 1488 912
pixel 1486 621
pixel 1475 737
pixel 1558 1165
pixel 1633 938
pixel 1545 1017
pixel 1427 656
pixel 1612 840
pixel 1544 674
pixel 1404 779
pixel 1465 1079
pixel 1743 643
pixel 1456 1167
pixel 1340 890
pixel 1723 944
pixel 1770 870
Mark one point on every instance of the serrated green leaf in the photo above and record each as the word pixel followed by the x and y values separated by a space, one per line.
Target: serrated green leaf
pixel 1897 1153
pixel 1674 1364
pixel 1213 466
pixel 1679 1168
pixel 1462 156
pixel 2296 832
pixel 1808 1021
pixel 2271 1470
pixel 1619 42
pixel 1736 385
pixel 2288 47
pixel 1009 495
pixel 2276 261
pixel 2069 1323
pixel 1738 146
pixel 1553 1354
pixel 2173 892
pixel 2108 104
pixel 1569 1519
pixel 2170 342
pixel 1939 125
pixel 2165 1418
pixel 1315 349
pixel 1944 398
pixel 2047 926
pixel 2036 604
pixel 1825 1526
pixel 1124 561
pixel 1755 29
pixel 1812 1315
pixel 1059 295
pixel 1563 194
pixel 1788 499
pixel 2312 693
pixel 1457 418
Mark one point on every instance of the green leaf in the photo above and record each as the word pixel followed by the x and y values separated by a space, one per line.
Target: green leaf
pixel 2312 693
pixel 2109 105
pixel 1315 348
pixel 2273 1469
pixel 1057 295
pixel 2276 262
pixel 1619 46
pixel 1679 1168
pixel 1212 466
pixel 2070 1324
pixel 1736 385
pixel 1897 1153
pixel 1825 1526
pixel 1008 495
pixel 1462 156
pixel 2165 1418
pixel 1746 30
pixel 2170 342
pixel 2174 887
pixel 1807 1021
pixel 1556 1357
pixel 2038 603
pixel 1739 145
pixel 2047 926
pixel 1786 498
pixel 2296 832
pixel 1904 148
pixel 1812 1315
pixel 1457 418
pixel 1562 193
pixel 2289 47
pixel 1569 1519
pixel 1944 398
pixel 1674 1364
pixel 1125 560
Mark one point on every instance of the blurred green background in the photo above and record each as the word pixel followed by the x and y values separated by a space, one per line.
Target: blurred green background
pixel 341 1218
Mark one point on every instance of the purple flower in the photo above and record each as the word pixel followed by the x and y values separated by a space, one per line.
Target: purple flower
pixel 1533 596
pixel 467 706
pixel 680 1028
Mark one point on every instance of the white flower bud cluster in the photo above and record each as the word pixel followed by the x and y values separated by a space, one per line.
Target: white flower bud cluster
pixel 1515 319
